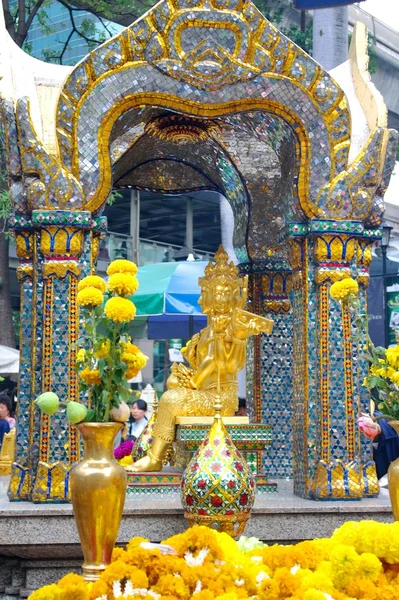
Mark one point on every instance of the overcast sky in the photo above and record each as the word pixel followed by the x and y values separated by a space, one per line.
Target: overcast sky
pixel 386 11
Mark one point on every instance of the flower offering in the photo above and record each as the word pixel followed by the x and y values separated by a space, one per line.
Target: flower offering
pixel 359 561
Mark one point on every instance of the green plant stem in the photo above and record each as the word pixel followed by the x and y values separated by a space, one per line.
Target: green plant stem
pixel 94 339
pixel 115 333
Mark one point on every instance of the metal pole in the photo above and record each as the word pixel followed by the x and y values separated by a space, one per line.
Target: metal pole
pixel 135 223
pixel 330 36
pixel 385 295
pixel 189 225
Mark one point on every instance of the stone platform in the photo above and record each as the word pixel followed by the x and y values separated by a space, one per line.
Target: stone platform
pixel 39 543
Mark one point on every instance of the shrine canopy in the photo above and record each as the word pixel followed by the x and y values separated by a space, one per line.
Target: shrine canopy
pixel 168 294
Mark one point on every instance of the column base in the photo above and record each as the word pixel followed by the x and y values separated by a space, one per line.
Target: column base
pixel 19 488
pixel 52 483
pixel 338 480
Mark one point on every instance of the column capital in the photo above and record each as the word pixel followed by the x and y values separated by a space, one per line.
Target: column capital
pixel 314 227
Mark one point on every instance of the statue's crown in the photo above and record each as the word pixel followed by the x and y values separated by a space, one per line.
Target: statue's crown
pixel 221 270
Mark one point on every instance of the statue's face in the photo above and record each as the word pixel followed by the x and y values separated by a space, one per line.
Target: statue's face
pixel 222 298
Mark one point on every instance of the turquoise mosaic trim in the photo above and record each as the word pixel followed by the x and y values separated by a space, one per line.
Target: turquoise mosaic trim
pixel 329 226
pixel 254 436
pixel 100 224
pixel 373 234
pixel 264 266
pixel 78 218
pixel 18 221
pixel 356 228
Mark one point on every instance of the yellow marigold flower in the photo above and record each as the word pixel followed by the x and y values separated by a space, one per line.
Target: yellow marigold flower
pixel 313 594
pixel 132 355
pixel 131 373
pixel 92 281
pixel 120 310
pixel 81 355
pixel 344 288
pixel 123 284
pixel 91 377
pixel 369 566
pixel 122 266
pixel 73 587
pixel 126 461
pixel 90 297
pixel 103 350
pixel 48 592
pixel 392 357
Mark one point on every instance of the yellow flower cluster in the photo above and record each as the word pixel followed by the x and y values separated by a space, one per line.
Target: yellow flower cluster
pixel 70 587
pixel 81 355
pixel 126 461
pixel 103 350
pixel 134 358
pixel 92 281
pixel 119 310
pixel 90 376
pixel 392 356
pixel 89 297
pixel 123 284
pixel 340 290
pixel 360 561
pixel 122 266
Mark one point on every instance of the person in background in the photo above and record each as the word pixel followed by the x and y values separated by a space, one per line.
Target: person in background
pixel 242 408
pixel 385 441
pixel 137 420
pixel 5 410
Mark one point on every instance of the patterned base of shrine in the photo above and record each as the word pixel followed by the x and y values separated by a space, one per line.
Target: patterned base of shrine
pixel 39 543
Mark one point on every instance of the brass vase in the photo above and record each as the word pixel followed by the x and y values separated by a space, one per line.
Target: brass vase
pixel 98 491
pixel 393 479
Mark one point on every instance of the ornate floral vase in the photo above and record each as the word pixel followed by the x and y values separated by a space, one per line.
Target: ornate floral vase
pixel 393 479
pixel 98 490
pixel 217 488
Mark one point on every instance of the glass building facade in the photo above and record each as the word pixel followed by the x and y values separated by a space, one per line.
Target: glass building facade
pixel 52 27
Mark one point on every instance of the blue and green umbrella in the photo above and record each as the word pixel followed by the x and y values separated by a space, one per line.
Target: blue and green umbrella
pixel 168 297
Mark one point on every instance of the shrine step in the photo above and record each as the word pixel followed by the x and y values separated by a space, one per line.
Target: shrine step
pixel 168 482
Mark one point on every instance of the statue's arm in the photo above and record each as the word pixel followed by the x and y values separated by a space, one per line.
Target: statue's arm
pixel 190 353
pixel 230 359
pixel 206 368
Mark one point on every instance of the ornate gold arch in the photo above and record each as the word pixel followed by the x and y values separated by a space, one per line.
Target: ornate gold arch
pixel 259 55
pixel 178 104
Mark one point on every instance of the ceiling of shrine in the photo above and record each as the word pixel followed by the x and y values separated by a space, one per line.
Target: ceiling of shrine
pixel 254 154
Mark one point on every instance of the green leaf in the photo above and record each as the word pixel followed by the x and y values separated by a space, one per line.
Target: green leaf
pixel 90 415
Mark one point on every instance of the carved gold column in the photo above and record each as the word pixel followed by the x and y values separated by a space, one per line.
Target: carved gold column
pixel 269 378
pixel 25 457
pixel 330 460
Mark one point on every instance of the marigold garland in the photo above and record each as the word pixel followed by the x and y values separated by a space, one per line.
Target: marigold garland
pixel 359 561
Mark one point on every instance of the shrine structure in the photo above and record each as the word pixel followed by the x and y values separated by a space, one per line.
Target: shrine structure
pixel 204 95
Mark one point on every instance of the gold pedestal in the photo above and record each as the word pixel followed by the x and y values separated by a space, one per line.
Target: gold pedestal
pixel 7 453
pixel 209 420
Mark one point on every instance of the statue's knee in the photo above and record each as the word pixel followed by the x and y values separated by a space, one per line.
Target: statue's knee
pixel 167 400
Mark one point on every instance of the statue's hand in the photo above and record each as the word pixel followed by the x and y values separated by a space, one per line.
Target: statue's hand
pixel 220 323
pixel 242 331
